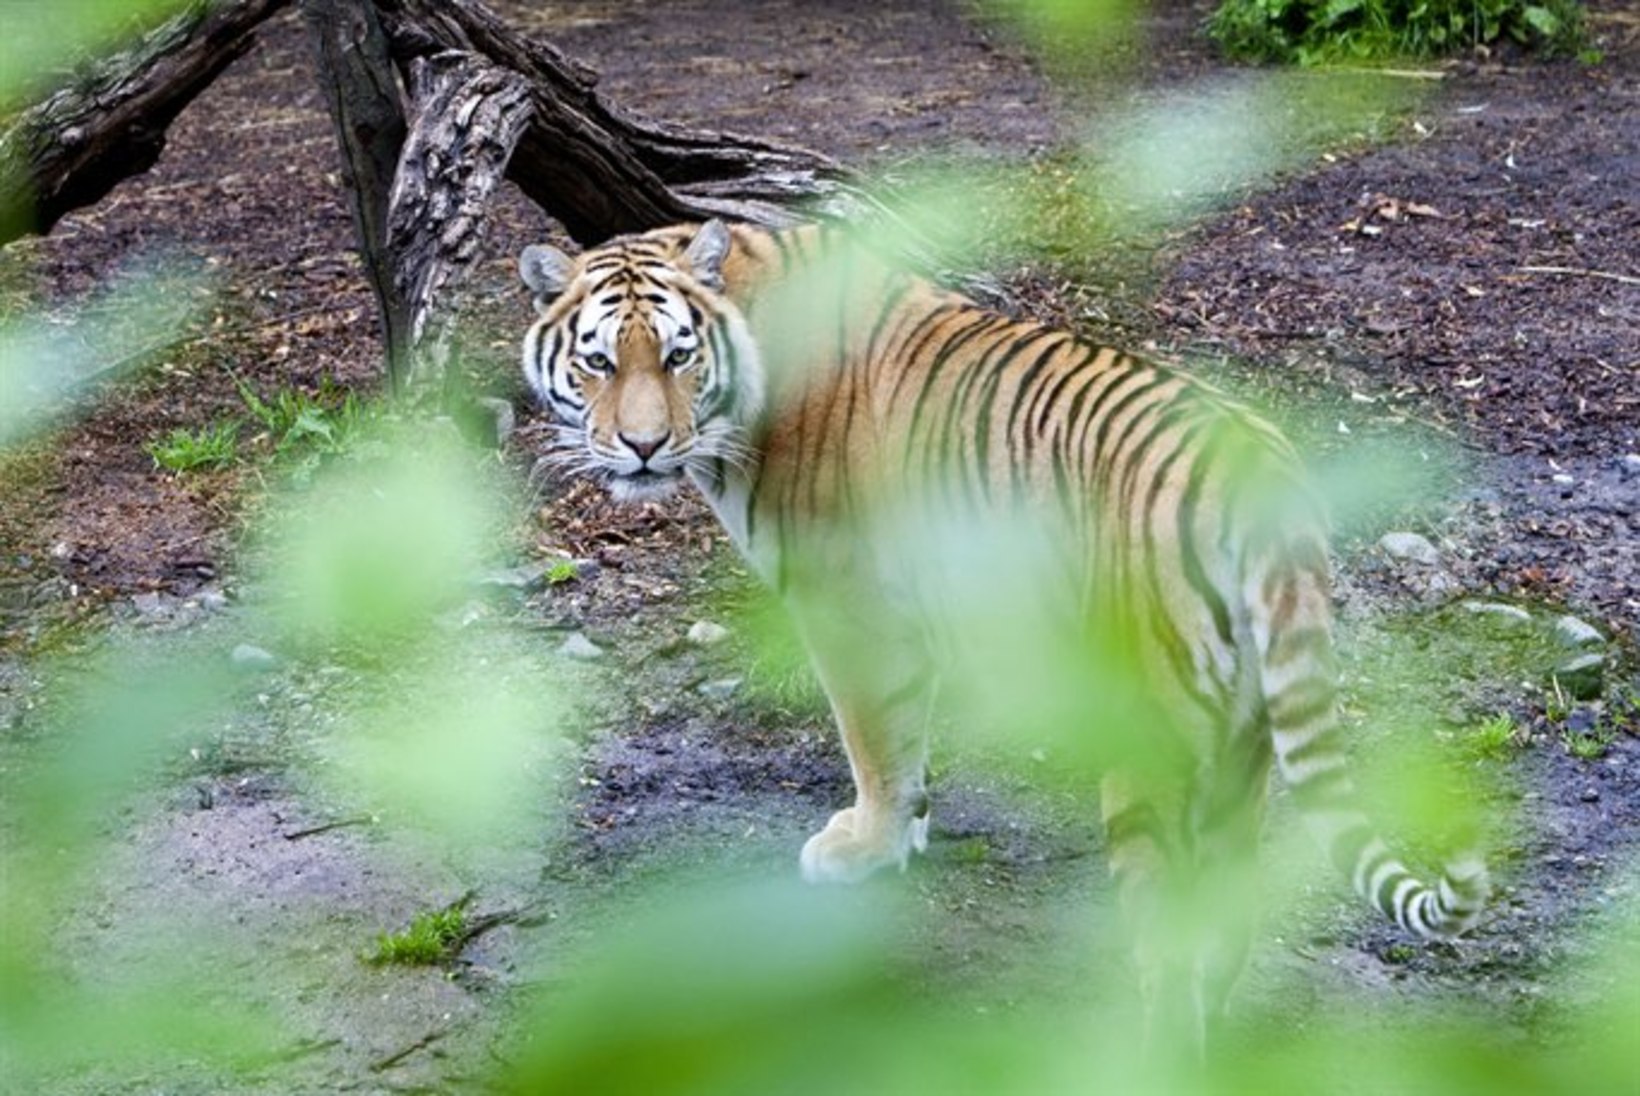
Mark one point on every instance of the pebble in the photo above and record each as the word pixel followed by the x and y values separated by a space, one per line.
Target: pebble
pixel 1590 795
pixel 1629 465
pixel 721 689
pixel 705 633
pixel 1572 632
pixel 502 416
pixel 577 645
pixel 213 599
pixel 1409 546
pixel 1582 677
pixel 152 604
pixel 248 656
pixel 1563 479
pixel 525 578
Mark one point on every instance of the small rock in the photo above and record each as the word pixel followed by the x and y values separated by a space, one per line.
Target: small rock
pixel 503 417
pixel 1563 479
pixel 1509 617
pixel 721 689
pixel 1577 634
pixel 577 645
pixel 1590 795
pixel 1582 677
pixel 213 599
pixel 705 633
pixel 248 656
pixel 1629 465
pixel 152 604
pixel 1409 546
pixel 525 578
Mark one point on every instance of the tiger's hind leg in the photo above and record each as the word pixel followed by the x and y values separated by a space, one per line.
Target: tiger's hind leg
pixel 881 690
pixel 1145 855
pixel 1185 864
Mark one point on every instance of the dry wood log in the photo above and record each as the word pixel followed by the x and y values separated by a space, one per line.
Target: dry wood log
pixel 108 120
pixel 360 87
pixel 601 170
pixel 466 116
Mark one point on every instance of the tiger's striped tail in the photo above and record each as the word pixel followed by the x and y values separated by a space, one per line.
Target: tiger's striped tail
pixel 1292 626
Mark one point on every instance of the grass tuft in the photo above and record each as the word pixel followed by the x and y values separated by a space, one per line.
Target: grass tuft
pixel 1492 739
pixel 431 938
pixel 185 450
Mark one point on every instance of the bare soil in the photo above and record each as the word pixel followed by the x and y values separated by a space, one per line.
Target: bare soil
pixel 1499 320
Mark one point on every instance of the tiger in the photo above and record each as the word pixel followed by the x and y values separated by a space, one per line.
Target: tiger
pixel 805 386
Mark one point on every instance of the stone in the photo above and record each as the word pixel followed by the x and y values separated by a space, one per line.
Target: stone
pixel 502 417
pixel 1503 616
pixel 1629 465
pixel 705 633
pixel 152 604
pixel 577 645
pixel 526 578
pixel 213 599
pixel 1582 677
pixel 1410 547
pixel 253 659
pixel 1577 634
pixel 721 689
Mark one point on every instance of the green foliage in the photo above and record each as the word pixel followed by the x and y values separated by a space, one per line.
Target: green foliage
pixel 184 450
pixel 1590 742
pixel 1492 739
pixel 561 572
pixel 307 429
pixel 1320 31
pixel 430 939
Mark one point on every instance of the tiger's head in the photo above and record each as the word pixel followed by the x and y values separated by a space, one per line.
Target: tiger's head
pixel 643 358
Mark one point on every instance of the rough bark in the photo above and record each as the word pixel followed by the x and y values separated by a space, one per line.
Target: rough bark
pixel 465 118
pixel 601 170
pixel 108 121
pixel 360 86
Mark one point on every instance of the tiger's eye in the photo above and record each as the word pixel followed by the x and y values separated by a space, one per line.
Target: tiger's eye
pixel 599 361
pixel 680 357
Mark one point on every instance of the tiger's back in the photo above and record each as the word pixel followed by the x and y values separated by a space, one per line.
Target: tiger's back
pixel 1177 525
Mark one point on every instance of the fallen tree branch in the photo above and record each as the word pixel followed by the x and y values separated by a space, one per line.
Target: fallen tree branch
pixel 466 116
pixel 357 79
pixel 108 122
pixel 601 170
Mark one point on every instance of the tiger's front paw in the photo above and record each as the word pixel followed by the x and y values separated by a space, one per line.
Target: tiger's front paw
pixel 850 848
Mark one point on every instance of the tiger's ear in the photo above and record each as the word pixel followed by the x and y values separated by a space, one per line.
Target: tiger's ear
pixel 707 251
pixel 546 270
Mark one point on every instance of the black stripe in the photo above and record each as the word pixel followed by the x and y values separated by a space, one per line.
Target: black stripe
pixel 1193 571
pixel 887 309
pixel 1302 701
pixel 1384 896
pixel 1329 742
pixel 953 343
pixel 1023 396
pixel 914 342
pixel 1348 848
pixel 987 402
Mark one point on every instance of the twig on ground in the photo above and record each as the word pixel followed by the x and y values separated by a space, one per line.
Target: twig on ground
pixel 1581 272
pixel 400 1055
pixel 361 820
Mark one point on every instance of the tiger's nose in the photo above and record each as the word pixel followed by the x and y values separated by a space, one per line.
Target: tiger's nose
pixel 645 449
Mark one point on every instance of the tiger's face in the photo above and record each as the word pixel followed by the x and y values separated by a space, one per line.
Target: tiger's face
pixel 643 359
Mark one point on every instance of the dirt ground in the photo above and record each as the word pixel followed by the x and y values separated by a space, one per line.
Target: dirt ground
pixel 1466 286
